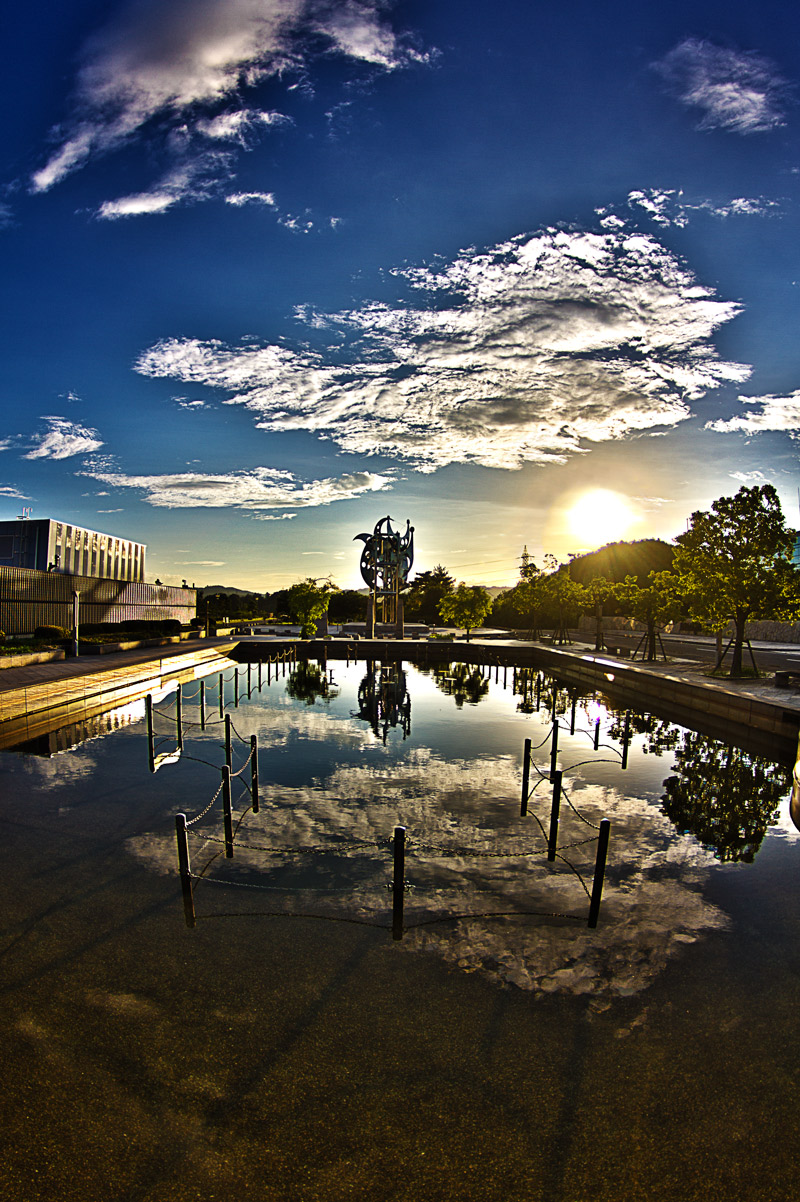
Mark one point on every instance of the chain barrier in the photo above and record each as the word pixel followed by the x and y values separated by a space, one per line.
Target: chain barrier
pixel 202 814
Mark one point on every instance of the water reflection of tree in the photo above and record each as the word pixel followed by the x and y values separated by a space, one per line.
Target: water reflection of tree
pixel 308 682
pixel 462 682
pixel 724 796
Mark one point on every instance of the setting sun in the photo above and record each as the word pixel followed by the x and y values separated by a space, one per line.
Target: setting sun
pixel 601 516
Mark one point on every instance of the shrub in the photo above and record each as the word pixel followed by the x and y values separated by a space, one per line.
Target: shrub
pixel 49 633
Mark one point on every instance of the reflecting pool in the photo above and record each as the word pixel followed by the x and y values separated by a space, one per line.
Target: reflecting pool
pixel 287 1046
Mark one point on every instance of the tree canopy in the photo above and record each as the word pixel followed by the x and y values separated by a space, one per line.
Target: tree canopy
pixel 467 606
pixel 307 601
pixel 735 560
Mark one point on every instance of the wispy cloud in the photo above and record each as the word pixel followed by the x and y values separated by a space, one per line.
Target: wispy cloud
pixel 261 488
pixel 8 490
pixel 250 198
pixel 188 62
pixel 770 413
pixel 526 352
pixel 669 207
pixel 201 563
pixel 741 92
pixel 63 439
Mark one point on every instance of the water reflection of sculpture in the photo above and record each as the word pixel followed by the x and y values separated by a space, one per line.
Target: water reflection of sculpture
pixel 385 563
pixel 383 699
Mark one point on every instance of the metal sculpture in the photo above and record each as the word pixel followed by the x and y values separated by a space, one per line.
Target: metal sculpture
pixel 385 563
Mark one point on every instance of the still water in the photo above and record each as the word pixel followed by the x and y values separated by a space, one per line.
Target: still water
pixel 287 1047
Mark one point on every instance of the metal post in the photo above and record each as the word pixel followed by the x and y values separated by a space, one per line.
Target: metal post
pixel 538 691
pixel 179 716
pixel 597 734
pixel 572 716
pixel 552 842
pixel 259 676
pixel 254 771
pixel 526 773
pixel 226 810
pixel 599 871
pixel 228 755
pixel 221 694
pixel 151 751
pixel 249 685
pixel 398 884
pixel 184 868
pixel 269 671
pixel 236 688
pixel 554 750
pixel 202 705
pixel 76 613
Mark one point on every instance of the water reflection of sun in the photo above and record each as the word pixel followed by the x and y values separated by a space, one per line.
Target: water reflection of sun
pixel 600 516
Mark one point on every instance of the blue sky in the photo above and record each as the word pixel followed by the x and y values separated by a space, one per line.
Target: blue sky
pixel 521 273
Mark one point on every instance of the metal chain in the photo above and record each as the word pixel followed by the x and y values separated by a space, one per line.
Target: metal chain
pixel 197 817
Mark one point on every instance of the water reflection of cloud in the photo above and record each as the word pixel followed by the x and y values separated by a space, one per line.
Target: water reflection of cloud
pixel 653 902
pixel 58 771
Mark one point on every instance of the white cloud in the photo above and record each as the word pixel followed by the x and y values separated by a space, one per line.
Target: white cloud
pixel 526 352
pixel 8 490
pixel 194 177
pixel 63 439
pixel 775 413
pixel 250 198
pixel 739 92
pixel 234 126
pixel 184 60
pixel 258 489
pixel 201 563
pixel 668 207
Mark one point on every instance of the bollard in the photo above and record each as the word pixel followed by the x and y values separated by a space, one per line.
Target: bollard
pixel 221 694
pixel 185 870
pixel 236 688
pixel 228 753
pixel 202 705
pixel 538 692
pixel 505 675
pixel 552 842
pixel 254 772
pixel 626 738
pixel 572 716
pixel 151 751
pixel 269 671
pixel 599 871
pixel 526 774
pixel 259 676
pixel 226 810
pixel 554 749
pixel 179 716
pixel 249 685
pixel 398 884
pixel 597 734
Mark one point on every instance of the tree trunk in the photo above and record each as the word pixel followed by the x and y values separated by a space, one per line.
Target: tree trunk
pixel 738 643
pixel 599 642
pixel 652 653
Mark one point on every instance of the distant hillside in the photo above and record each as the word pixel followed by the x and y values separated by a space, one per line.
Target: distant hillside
pixel 618 560
pixel 211 590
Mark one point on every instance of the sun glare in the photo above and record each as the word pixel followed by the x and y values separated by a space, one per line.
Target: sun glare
pixel 600 516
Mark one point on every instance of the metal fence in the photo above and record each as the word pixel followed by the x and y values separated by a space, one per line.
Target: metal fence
pixel 29 599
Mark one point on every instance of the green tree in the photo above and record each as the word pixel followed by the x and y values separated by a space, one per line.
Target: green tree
pixel 595 595
pixel 426 591
pixel 653 604
pixel 739 554
pixel 307 601
pixel 563 596
pixel 467 606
